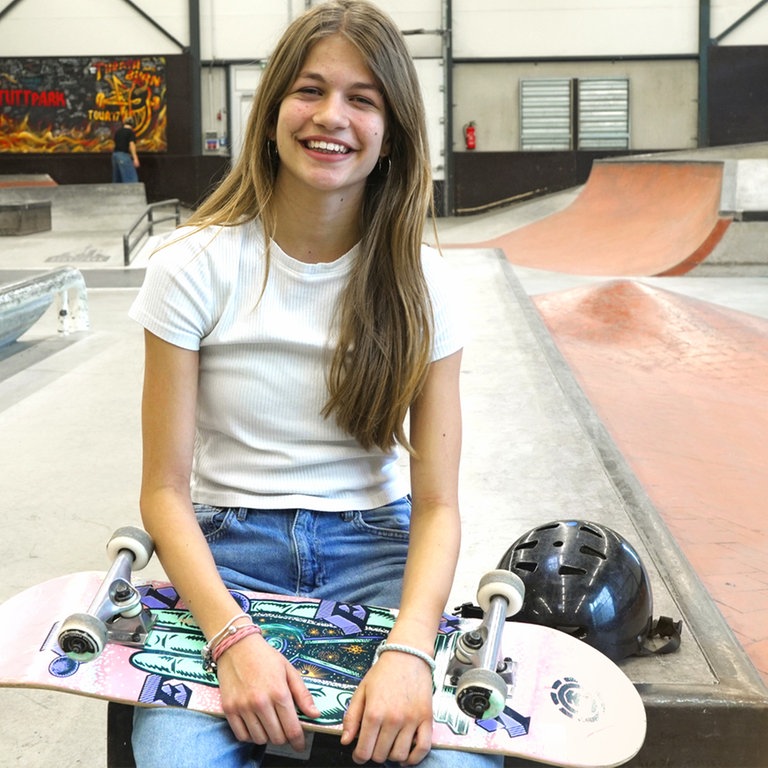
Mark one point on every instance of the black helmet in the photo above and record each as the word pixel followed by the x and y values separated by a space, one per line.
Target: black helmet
pixel 587 580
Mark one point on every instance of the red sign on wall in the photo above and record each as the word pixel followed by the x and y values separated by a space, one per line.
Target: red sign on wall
pixel 76 104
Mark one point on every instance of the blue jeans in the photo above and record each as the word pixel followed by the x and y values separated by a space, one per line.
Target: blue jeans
pixel 123 169
pixel 356 556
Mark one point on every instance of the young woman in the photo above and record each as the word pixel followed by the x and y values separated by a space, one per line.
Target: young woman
pixel 289 331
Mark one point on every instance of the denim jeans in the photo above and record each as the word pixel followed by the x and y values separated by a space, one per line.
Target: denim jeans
pixel 356 556
pixel 123 169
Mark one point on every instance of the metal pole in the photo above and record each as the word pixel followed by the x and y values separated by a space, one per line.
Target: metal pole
pixel 704 43
pixel 195 79
pixel 449 193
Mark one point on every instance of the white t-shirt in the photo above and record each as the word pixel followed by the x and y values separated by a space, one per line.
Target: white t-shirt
pixel 261 440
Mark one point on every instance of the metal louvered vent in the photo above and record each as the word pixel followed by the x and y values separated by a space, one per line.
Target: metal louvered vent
pixel 603 113
pixel 560 114
pixel 545 112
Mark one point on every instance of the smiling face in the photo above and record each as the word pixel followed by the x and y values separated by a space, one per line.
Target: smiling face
pixel 331 127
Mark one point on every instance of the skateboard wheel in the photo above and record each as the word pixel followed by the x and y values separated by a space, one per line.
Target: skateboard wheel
pixel 481 694
pixel 82 637
pixel 137 541
pixel 504 583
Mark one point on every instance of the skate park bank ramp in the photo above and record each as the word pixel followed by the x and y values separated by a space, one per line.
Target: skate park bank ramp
pixel 630 218
pixel 682 386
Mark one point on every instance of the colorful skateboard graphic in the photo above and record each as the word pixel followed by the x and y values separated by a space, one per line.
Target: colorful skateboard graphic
pixel 567 704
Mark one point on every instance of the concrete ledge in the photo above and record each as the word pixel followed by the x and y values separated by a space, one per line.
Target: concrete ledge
pixel 25 218
pixel 79 207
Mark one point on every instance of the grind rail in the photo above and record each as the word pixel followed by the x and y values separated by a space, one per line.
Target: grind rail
pixel 140 228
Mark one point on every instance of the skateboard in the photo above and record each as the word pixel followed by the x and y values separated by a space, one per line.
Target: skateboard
pixel 500 687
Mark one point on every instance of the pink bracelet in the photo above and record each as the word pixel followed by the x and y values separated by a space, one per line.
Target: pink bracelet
pixel 240 634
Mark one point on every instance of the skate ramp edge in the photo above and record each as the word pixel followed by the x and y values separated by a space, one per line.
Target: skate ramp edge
pixel 745 190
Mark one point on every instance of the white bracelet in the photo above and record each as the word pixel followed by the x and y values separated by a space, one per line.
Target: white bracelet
pixel 228 629
pixel 425 657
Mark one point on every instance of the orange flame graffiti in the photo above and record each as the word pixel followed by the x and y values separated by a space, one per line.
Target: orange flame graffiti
pixel 134 88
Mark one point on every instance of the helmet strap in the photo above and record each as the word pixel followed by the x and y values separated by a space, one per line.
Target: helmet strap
pixel 666 628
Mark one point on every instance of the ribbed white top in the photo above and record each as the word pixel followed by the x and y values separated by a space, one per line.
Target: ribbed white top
pixel 261 439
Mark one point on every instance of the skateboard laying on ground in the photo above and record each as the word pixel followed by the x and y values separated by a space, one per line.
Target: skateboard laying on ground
pixel 500 687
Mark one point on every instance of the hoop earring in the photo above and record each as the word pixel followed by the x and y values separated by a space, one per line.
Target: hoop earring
pixel 384 170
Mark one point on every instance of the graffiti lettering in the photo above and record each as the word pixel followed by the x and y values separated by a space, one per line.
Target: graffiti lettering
pixel 105 116
pixel 149 79
pixel 20 97
pixel 105 68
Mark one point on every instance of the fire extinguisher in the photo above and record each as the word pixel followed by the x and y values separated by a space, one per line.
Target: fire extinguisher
pixel 470 136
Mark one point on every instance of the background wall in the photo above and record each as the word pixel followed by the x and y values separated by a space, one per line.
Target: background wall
pixel 663 99
pixel 493 46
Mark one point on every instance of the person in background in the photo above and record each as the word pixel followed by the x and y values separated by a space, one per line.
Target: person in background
pixel 125 160
pixel 289 330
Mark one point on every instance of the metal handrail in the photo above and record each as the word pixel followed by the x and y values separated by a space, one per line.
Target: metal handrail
pixel 129 243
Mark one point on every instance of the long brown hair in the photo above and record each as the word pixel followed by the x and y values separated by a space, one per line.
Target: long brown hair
pixel 384 315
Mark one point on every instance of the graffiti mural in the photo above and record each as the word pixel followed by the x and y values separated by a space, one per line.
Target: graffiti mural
pixel 76 104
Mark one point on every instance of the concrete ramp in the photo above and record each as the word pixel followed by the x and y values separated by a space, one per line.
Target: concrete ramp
pixel 631 218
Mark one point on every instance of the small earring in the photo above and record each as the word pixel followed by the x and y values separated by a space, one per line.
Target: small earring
pixel 274 156
pixel 384 170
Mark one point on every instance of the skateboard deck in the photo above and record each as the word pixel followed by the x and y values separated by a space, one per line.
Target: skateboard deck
pixel 569 705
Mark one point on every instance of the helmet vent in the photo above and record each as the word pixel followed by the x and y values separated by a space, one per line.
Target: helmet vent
pixel 586 550
pixel 589 529
pixel 569 570
pixel 530 567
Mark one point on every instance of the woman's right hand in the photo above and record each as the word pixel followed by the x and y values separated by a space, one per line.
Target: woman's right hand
pixel 260 693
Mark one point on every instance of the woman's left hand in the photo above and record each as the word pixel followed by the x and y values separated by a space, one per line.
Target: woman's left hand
pixel 390 714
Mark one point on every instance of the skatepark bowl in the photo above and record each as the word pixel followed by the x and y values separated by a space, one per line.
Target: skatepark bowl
pixel 615 370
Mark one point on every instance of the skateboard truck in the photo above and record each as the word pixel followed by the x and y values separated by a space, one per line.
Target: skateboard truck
pixel 477 670
pixel 116 613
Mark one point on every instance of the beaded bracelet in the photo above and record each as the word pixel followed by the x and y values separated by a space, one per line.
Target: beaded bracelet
pixel 425 657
